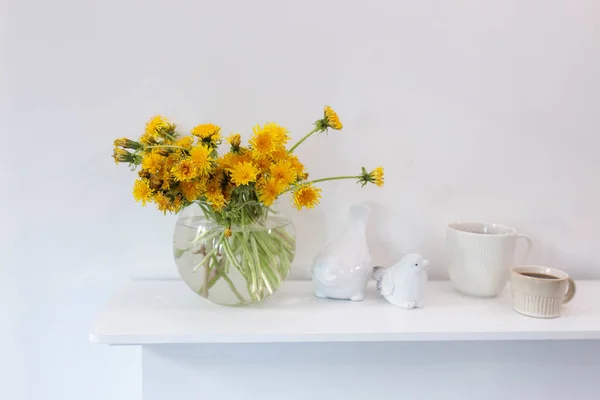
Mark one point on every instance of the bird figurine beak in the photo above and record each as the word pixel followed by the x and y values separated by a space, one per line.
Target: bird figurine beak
pixel 426 263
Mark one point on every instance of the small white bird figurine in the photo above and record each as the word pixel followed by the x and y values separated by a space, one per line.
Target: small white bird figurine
pixel 403 283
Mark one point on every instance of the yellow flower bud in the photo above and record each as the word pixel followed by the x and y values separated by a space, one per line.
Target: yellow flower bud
pixel 155 182
pixel 331 119
pixel 235 140
pixel 123 156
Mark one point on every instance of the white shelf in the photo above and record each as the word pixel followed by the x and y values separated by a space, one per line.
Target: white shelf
pixel 163 312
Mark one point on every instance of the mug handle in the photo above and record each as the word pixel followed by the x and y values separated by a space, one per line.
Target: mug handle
pixel 570 291
pixel 529 246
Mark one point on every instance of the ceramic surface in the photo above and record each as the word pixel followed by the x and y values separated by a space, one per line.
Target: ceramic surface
pixel 342 269
pixel 403 284
pixel 540 297
pixel 480 256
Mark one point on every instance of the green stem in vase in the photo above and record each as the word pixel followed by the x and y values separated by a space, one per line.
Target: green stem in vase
pixel 229 253
pixel 210 253
pixel 287 241
pixel 259 266
pixel 220 274
pixel 233 289
pixel 219 268
pixel 252 283
pixel 209 271
pixel 254 287
pixel 269 255
pixel 259 254
pixel 206 279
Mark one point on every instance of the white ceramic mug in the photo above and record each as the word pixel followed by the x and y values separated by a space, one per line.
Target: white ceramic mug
pixel 480 256
pixel 539 291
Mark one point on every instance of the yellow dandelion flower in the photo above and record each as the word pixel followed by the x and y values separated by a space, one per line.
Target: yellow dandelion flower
pixel 306 196
pixel 216 139
pixel 200 156
pixel 377 175
pixel 184 171
pixel 207 132
pixel 269 189
pixel 284 172
pixel 263 142
pixel 227 160
pixel 166 183
pixel 279 154
pixel 148 140
pixel 152 162
pixel 165 172
pixel 243 173
pixel 217 202
pixel 280 134
pixel 163 203
pixel 156 125
pixel 218 176
pixel 186 142
pixel 173 159
pixel 227 232
pixel 141 191
pixel 234 140
pixel 191 191
pixel 297 166
pixel 331 119
pixel 214 196
pixel 262 163
pixel 176 205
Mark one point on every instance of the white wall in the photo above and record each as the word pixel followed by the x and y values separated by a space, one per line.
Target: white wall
pixel 478 110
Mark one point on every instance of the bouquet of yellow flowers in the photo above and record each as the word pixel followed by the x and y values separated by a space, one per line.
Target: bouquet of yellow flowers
pixel 235 242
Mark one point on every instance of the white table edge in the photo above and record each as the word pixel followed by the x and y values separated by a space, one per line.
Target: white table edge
pixel 110 335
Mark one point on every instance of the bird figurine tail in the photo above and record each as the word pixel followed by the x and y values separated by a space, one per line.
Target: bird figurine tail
pixel 377 275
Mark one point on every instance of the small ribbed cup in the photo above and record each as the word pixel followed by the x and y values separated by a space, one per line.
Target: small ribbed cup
pixel 540 292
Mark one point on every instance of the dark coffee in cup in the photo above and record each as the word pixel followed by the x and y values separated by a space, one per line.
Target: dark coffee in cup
pixel 539 276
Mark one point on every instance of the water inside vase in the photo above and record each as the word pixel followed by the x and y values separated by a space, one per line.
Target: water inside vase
pixel 245 268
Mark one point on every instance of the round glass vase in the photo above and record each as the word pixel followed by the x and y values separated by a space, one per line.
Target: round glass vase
pixel 241 265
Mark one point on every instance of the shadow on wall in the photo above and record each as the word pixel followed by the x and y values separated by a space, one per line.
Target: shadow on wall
pixel 383 251
pixel 412 238
pixel 577 266
pixel 427 238
pixel 313 229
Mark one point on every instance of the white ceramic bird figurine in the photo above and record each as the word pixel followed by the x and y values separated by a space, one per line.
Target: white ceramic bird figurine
pixel 403 284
